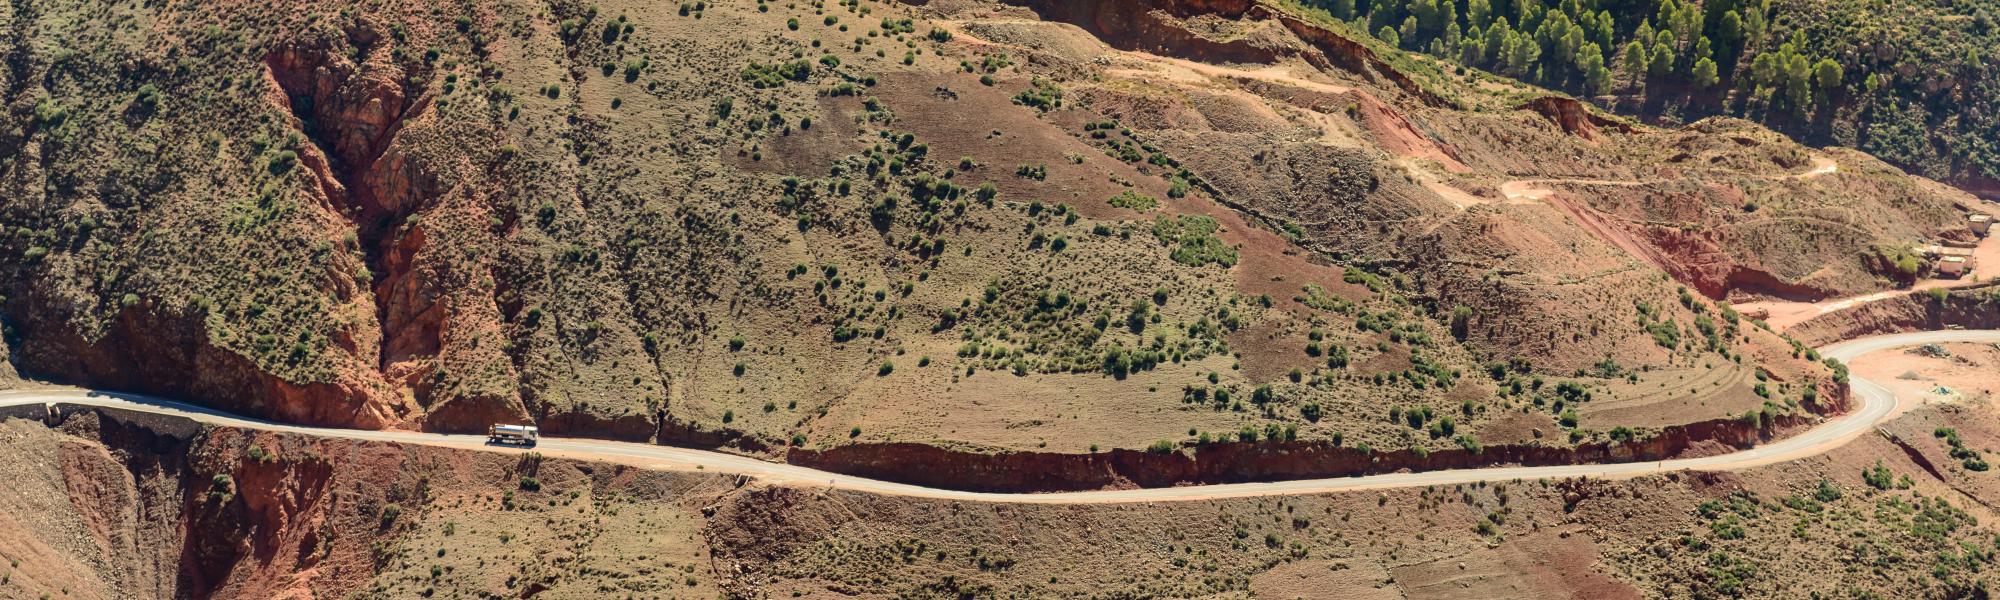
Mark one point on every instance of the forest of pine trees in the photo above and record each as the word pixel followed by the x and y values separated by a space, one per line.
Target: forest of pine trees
pixel 1913 81
pixel 1604 46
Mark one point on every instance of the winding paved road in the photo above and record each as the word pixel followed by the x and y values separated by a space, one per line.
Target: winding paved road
pixel 1876 405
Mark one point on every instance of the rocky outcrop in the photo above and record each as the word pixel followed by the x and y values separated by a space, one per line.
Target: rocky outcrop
pixel 156 352
pixel 1700 258
pixel 352 110
pixel 266 521
pixel 1573 117
pixel 378 156
pixel 632 427
pixel 181 510
pixel 1985 187
pixel 1156 26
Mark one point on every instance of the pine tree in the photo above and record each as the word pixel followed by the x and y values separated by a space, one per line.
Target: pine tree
pixel 1572 41
pixel 1662 61
pixel 1753 26
pixel 1798 88
pixel 1424 19
pixel 1605 35
pixel 1522 54
pixel 1478 13
pixel 1529 14
pixel 1497 37
pixel 1590 62
pixel 1730 29
pixel 1704 73
pixel 1447 16
pixel 1388 36
pixel 1764 69
pixel 1687 22
pixel 1472 51
pixel 1340 9
pixel 1635 59
pixel 1827 74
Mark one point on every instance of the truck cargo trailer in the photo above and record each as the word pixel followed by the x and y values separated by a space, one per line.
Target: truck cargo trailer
pixel 524 435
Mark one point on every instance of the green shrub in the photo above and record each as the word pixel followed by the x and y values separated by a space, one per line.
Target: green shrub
pixel 1194 240
pixel 1878 476
pixel 1042 96
pixel 282 162
pixel 1134 201
pixel 763 76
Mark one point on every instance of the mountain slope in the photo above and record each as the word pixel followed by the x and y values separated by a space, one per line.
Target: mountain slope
pixel 1020 227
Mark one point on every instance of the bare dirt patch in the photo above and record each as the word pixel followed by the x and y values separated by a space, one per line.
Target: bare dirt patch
pixel 1942 373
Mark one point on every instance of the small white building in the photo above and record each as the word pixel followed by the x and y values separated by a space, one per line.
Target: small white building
pixel 1942 252
pixel 1980 224
pixel 1952 266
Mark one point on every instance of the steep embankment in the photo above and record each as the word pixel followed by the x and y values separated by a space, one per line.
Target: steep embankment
pixel 1017 472
pixel 1974 307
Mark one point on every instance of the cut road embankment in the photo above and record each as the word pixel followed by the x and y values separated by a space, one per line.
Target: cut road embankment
pixel 1875 404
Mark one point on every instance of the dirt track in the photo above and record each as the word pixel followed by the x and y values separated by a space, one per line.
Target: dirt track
pixel 1877 405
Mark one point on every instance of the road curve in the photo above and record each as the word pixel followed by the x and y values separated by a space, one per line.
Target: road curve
pixel 1876 405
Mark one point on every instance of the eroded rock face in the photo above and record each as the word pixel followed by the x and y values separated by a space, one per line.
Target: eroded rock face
pixel 1572 117
pixel 149 350
pixel 384 170
pixel 171 347
pixel 1973 308
pixel 178 510
pixel 352 109
pixel 1697 257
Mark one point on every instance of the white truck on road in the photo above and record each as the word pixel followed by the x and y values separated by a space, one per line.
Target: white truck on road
pixel 524 435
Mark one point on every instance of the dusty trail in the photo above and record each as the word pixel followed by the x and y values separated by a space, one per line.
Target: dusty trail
pixel 1536 189
pixel 1780 315
pixel 1877 404
pixel 1783 315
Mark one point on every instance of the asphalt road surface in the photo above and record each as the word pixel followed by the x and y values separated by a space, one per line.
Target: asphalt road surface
pixel 1876 404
